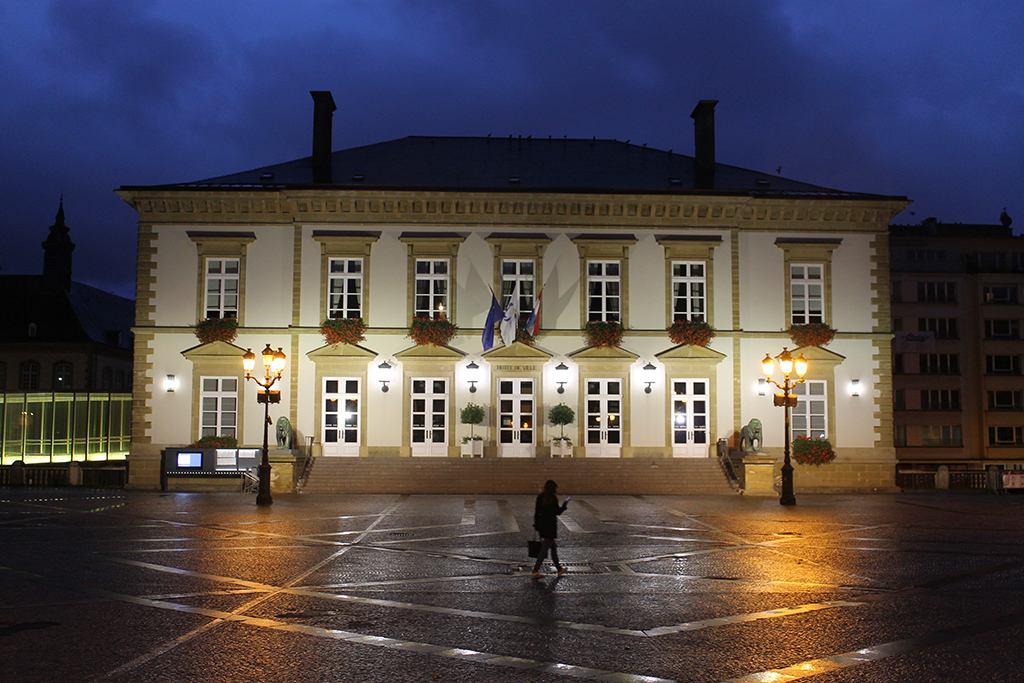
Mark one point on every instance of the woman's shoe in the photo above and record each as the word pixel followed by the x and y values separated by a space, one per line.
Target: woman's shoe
pixel 537 575
pixel 562 570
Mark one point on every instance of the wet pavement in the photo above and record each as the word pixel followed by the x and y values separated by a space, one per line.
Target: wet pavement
pixel 134 586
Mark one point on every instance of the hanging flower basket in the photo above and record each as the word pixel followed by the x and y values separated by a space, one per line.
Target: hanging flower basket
pixel 815 334
pixel 691 332
pixel 523 336
pixel 435 332
pixel 343 330
pixel 600 334
pixel 813 451
pixel 217 329
pixel 211 441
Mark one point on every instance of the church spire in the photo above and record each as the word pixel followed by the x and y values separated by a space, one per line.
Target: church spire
pixel 57 253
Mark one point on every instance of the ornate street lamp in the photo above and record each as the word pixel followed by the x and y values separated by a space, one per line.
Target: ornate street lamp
pixel 787 400
pixel 273 364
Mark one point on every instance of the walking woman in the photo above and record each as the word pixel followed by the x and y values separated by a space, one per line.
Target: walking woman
pixel 545 521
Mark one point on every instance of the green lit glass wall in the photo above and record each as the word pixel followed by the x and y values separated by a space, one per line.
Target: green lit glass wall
pixel 61 427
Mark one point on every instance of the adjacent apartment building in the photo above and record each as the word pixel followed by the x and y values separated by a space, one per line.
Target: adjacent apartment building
pixel 596 230
pixel 957 309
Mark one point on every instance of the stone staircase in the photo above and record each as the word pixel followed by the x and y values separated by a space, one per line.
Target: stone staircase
pixel 507 476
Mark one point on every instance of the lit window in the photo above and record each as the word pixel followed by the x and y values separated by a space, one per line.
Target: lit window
pixel 222 287
pixel 809 417
pixel 218 400
pixel 518 272
pixel 688 291
pixel 604 291
pixel 62 377
pixel 806 287
pixel 345 288
pixel 431 296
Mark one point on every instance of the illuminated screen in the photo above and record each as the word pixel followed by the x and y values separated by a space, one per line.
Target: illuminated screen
pixel 190 460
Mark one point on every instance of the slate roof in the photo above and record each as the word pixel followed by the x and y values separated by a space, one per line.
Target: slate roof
pixel 83 314
pixel 515 164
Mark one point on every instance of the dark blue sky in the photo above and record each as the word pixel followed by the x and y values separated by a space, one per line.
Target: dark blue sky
pixel 916 98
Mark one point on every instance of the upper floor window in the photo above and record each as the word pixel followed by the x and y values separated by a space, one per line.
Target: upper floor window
pixel 1005 436
pixel 1002 329
pixel 345 288
pixel 29 379
pixel 925 255
pixel 940 399
pixel 941 435
pixel 431 289
pixel 519 273
pixel 943 328
pixel 222 287
pixel 688 291
pixel 940 363
pixel 898 364
pixel 604 291
pixel 896 291
pixel 1002 365
pixel 218 413
pixel 936 292
pixel 899 399
pixel 810 416
pixel 107 379
pixel 807 292
pixel 62 379
pixel 1004 400
pixel 119 383
pixel 999 295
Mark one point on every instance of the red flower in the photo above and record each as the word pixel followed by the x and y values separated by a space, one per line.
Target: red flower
pixel 343 330
pixel 217 329
pixel 813 451
pixel 692 332
pixel 430 331
pixel 814 334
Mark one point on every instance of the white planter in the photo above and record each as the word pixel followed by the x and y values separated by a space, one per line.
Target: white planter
pixel 473 449
pixel 561 449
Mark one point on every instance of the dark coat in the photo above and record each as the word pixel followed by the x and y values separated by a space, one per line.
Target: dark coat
pixel 545 515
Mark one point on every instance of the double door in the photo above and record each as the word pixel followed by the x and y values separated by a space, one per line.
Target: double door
pixel 603 403
pixel 340 429
pixel 690 418
pixel 428 416
pixel 516 418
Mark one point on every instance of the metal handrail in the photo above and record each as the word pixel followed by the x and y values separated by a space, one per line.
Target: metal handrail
pixel 250 482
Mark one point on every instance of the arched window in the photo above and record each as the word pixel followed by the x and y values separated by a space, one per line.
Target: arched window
pixel 29 379
pixel 62 376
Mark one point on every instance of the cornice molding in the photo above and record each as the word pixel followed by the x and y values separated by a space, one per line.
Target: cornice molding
pixel 544 210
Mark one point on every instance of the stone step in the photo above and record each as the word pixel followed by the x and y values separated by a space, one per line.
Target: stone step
pixel 482 476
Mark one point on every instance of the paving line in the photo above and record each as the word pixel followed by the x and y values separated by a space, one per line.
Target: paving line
pixel 508 519
pixel 571 524
pixel 813 667
pixel 468 512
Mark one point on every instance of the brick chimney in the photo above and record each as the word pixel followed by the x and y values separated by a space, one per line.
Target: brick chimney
pixel 323 114
pixel 704 143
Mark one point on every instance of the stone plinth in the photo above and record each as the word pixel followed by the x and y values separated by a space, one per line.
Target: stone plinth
pixel 759 474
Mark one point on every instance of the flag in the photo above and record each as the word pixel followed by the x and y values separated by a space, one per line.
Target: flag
pixel 533 324
pixel 493 318
pixel 510 322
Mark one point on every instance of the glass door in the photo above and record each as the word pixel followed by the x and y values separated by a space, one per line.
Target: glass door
pixel 516 418
pixel 340 433
pixel 604 418
pixel 690 418
pixel 429 417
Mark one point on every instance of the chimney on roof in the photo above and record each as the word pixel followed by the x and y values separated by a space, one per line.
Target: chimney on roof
pixel 57 254
pixel 323 114
pixel 704 142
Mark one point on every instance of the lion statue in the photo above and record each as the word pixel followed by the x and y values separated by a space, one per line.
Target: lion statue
pixel 750 435
pixel 284 434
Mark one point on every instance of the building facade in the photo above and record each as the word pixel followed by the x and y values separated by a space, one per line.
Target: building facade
pixel 598 230
pixel 957 311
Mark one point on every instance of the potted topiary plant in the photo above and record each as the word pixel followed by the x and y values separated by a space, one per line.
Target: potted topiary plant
pixel 559 416
pixel 472 445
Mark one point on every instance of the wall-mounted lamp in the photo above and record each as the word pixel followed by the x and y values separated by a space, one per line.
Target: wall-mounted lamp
pixel 855 387
pixel 385 373
pixel 650 373
pixel 170 384
pixel 561 376
pixel 472 375
pixel 762 387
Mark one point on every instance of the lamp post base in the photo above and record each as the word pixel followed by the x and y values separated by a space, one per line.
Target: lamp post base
pixel 264 497
pixel 787 497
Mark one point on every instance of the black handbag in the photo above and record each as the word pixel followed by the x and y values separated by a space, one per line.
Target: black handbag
pixel 533 547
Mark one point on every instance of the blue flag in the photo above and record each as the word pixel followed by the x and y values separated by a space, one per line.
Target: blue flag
pixel 494 316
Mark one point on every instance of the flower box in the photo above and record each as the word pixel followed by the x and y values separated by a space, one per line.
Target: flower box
pixel 436 332
pixel 343 330
pixel 691 332
pixel 603 334
pixel 561 448
pixel 472 448
pixel 217 329
pixel 814 334
pixel 812 451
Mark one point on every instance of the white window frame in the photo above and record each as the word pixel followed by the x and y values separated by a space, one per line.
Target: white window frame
pixel 431 278
pixel 218 281
pixel 604 312
pixel 218 406
pixel 684 279
pixel 343 284
pixel 801 284
pixel 63 376
pixel 527 284
pixel 807 418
